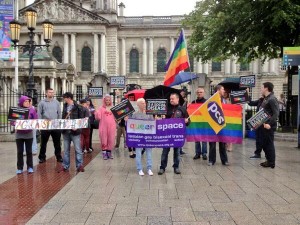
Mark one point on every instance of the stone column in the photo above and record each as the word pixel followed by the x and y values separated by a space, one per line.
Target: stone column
pixel 42 40
pixel 205 68
pixel 227 66
pixel 255 66
pixel 233 66
pixel 66 48
pixel 151 56
pixel 52 83
pixel 64 86
pixel 199 66
pixel 37 39
pixel 171 45
pixel 73 49
pixel 103 53
pixel 272 66
pixel 96 53
pixel 265 66
pixel 43 85
pixel 144 67
pixel 123 57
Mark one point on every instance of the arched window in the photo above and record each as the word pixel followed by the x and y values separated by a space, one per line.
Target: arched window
pixel 215 66
pixel 134 61
pixel 57 53
pixel 161 60
pixel 86 59
pixel 244 66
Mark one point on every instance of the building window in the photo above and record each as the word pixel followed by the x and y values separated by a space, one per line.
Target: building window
pixel 134 61
pixel 86 59
pixel 57 53
pixel 212 89
pixel 79 94
pixel 161 60
pixel 244 66
pixel 215 66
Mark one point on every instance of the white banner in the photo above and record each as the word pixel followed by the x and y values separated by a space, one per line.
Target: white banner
pixel 141 126
pixel 59 124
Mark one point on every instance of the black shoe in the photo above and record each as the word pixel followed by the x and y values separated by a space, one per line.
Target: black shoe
pixel 59 160
pixel 42 160
pixel 255 157
pixel 196 157
pixel 132 156
pixel 177 171
pixel 204 157
pixel 182 152
pixel 267 164
pixel 225 163
pixel 161 171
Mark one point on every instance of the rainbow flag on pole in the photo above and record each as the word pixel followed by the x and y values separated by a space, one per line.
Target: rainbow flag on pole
pixel 178 61
pixel 200 130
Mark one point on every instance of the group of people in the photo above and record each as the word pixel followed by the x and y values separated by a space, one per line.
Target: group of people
pixel 49 108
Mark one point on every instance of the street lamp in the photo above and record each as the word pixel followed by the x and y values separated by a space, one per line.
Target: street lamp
pixel 15 28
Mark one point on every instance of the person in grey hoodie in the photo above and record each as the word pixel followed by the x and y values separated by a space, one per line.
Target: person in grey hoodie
pixel 25 137
pixel 49 108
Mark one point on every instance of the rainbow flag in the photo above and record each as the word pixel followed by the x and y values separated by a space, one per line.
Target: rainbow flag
pixel 200 130
pixel 178 61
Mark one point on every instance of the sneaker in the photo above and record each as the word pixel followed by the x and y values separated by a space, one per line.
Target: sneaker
pixel 210 163
pixel 150 173
pixel 85 151
pixel 196 157
pixel 30 170
pixel 177 171
pixel 19 172
pixel 161 171
pixel 204 157
pixel 225 163
pixel 104 155
pixel 141 173
pixel 90 149
pixel 132 156
pixel 63 169
pixel 255 157
pixel 109 155
pixel 80 169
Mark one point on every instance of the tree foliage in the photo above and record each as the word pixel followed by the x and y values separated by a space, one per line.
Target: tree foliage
pixel 248 29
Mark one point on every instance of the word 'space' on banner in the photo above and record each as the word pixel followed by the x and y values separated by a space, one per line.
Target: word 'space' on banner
pixel 59 124
pixel 155 133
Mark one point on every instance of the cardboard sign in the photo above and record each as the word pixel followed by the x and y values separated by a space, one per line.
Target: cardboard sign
pixel 17 113
pixel 117 82
pixel 156 106
pixel 258 119
pixel 123 109
pixel 95 92
pixel 155 133
pixel 238 97
pixel 247 81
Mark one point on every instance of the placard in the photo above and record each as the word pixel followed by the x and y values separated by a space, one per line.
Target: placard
pixel 239 97
pixel 18 113
pixel 156 106
pixel 95 92
pixel 247 81
pixel 117 82
pixel 123 109
pixel 165 133
pixel 258 119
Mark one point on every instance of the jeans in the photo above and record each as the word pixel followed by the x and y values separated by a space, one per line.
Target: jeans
pixel 198 148
pixel 68 137
pixel 164 158
pixel 138 158
pixel 20 150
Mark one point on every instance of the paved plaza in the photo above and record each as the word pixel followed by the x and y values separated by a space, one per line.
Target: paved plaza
pixel 111 192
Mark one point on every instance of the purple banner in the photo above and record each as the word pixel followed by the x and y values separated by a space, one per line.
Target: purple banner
pixel 155 133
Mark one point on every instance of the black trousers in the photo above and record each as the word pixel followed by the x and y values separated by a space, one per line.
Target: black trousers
pixel 268 145
pixel 91 137
pixel 282 118
pixel 212 152
pixel 258 140
pixel 55 134
pixel 20 150
pixel 164 158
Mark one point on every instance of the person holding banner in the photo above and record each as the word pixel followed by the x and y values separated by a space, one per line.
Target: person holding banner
pixel 141 114
pixel 200 99
pixel 227 101
pixel 271 107
pixel 174 111
pixel 25 137
pixel 107 127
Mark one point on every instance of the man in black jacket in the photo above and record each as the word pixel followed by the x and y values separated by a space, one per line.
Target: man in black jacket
pixel 174 111
pixel 71 110
pixel 271 107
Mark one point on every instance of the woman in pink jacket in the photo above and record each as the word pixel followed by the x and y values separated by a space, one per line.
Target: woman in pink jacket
pixel 107 127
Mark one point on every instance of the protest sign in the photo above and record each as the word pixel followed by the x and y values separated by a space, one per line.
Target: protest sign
pixel 95 92
pixel 123 109
pixel 258 119
pixel 17 113
pixel 117 82
pixel 238 97
pixel 247 81
pixel 58 124
pixel 156 106
pixel 163 133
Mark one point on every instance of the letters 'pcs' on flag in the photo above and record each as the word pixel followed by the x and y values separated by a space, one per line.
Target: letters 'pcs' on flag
pixel 178 61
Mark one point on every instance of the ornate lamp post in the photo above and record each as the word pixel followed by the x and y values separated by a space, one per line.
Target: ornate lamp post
pixel 15 27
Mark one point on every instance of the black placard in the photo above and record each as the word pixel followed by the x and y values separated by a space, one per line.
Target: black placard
pixel 156 106
pixel 258 119
pixel 238 97
pixel 95 92
pixel 247 81
pixel 16 113
pixel 117 82
pixel 123 109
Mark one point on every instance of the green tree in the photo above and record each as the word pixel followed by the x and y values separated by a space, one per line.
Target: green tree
pixel 248 29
